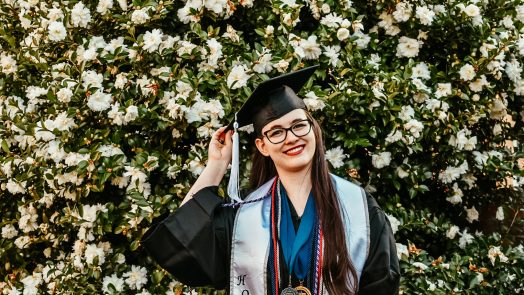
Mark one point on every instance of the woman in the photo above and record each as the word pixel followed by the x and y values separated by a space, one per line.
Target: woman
pixel 301 230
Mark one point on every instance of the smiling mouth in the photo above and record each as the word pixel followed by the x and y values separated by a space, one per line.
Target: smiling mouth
pixel 295 150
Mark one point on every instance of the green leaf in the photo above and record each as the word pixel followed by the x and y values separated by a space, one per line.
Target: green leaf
pixel 5 147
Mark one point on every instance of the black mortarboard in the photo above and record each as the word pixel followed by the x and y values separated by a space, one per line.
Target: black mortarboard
pixel 271 100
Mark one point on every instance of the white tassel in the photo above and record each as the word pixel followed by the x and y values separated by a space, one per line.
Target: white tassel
pixel 233 187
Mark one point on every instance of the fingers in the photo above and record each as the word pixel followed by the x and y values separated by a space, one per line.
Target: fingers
pixel 229 137
pixel 219 135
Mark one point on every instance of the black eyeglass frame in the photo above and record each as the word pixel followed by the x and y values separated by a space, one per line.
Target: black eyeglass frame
pixel 290 128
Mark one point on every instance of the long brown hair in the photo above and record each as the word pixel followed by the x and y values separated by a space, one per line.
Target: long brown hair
pixel 340 276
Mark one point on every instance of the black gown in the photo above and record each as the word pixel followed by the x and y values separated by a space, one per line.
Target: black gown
pixel 194 245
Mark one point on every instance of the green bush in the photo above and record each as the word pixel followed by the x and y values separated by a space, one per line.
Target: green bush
pixel 107 107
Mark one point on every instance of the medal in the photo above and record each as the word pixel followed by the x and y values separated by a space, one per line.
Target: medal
pixel 289 291
pixel 302 290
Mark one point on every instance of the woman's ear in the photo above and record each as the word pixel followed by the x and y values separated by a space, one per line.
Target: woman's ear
pixel 261 146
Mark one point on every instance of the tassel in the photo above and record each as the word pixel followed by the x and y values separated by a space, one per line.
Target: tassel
pixel 233 187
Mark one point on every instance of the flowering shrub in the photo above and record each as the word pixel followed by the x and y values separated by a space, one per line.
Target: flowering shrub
pixel 107 106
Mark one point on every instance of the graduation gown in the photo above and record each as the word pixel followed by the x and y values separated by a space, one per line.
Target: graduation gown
pixel 194 245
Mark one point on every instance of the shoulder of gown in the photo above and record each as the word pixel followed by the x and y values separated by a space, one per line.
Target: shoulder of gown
pixel 193 243
pixel 381 273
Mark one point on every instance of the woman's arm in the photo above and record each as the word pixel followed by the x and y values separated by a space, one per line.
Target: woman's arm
pixel 219 157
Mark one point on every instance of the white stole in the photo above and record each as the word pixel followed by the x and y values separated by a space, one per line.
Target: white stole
pixel 250 241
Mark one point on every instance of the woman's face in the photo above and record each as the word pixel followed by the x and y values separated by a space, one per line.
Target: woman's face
pixel 294 153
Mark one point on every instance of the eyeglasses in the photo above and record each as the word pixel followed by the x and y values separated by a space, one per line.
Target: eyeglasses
pixel 278 135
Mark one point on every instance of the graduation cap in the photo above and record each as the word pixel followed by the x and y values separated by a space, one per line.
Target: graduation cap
pixel 272 99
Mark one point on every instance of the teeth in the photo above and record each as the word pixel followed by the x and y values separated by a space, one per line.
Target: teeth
pixel 295 149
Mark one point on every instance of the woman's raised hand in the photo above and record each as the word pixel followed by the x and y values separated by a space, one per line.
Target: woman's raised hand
pixel 221 147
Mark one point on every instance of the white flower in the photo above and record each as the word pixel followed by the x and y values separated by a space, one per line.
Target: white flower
pixel 263 65
pixel 33 92
pixel 152 40
pixel 456 196
pixel 495 252
pixel 520 13
pixel 472 214
pixel 109 150
pixel 472 10
pixel 336 157
pixel 401 172
pixel 56 31
pixel 122 4
pixel 99 101
pixel 116 115
pixel 342 34
pixel 394 223
pixel 14 187
pixel 513 69
pixel 465 239
pixel 215 51
pixel 477 85
pixel 381 160
pixel 402 249
pixel 92 79
pixel 406 113
pixel 64 95
pixel 408 47
pixel 462 142
pixel 451 173
pixel 362 40
pixel 402 11
pixel 281 65
pixel 55 14
pixel 500 213
pixel 467 72
pixel 80 15
pixel 121 81
pixel 93 251
pixel 332 52
pixel 269 30
pixel 136 278
pixel 31 284
pixel 313 103
pixel 103 6
pixel 331 20
pixel 135 173
pixel 497 109
pixel 394 136
pixel 415 127
pixel 217 6
pixel 425 15
pixel 184 13
pixel 452 232
pixel 443 89
pixel 116 282
pixel 421 266
pixel 23 242
pixel 387 23
pixel 8 64
pixel 196 167
pixel 131 113
pixel 140 16
pixel 9 231
pixel 421 71
pixel 238 77
pixel 308 48
pixel 63 123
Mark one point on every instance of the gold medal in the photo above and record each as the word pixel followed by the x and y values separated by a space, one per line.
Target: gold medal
pixel 302 290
